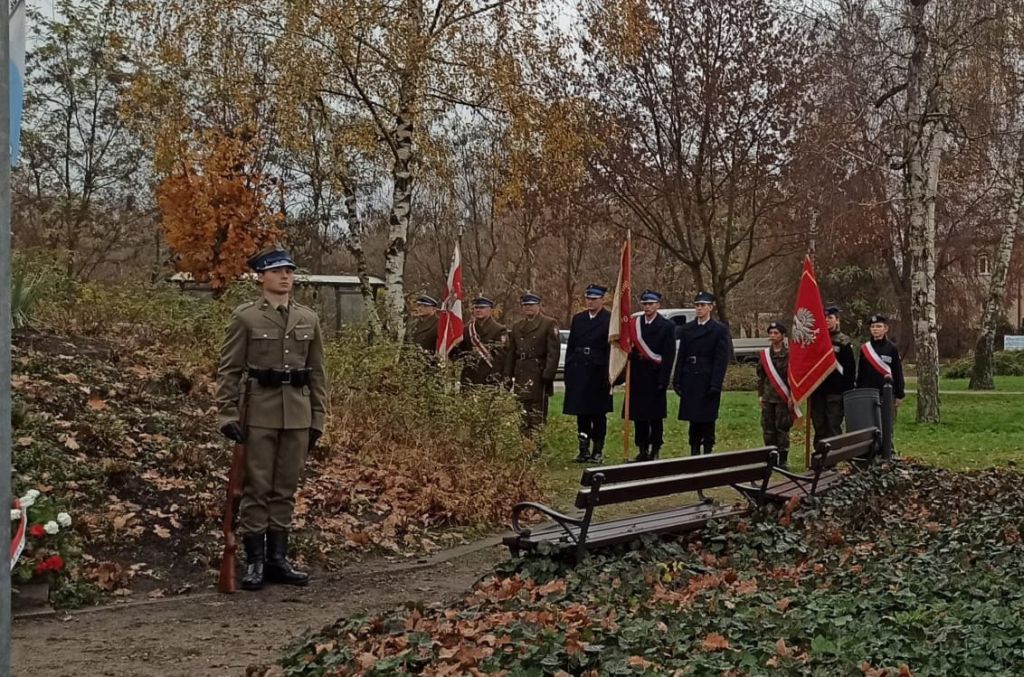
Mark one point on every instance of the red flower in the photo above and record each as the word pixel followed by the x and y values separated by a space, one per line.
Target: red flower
pixel 55 563
pixel 36 531
pixel 41 568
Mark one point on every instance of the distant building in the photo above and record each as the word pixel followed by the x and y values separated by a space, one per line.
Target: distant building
pixel 336 298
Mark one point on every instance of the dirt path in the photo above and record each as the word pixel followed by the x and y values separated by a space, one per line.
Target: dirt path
pixel 211 634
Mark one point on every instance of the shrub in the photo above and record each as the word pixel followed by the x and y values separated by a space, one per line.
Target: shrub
pixel 741 376
pixel 1004 363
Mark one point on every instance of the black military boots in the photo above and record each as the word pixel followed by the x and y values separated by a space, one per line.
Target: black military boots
pixel 254 556
pixel 278 568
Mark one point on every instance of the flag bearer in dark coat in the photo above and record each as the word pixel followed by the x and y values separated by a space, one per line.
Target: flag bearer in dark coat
pixel 826 402
pixel 773 392
pixel 272 355
pixel 532 361
pixel 483 346
pixel 650 370
pixel 588 396
pixel 704 349
pixel 879 358
pixel 423 326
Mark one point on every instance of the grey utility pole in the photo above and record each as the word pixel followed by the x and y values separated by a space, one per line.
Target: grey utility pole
pixel 5 335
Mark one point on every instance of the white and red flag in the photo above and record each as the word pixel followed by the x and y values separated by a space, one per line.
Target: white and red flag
pixel 620 330
pixel 811 357
pixel 450 325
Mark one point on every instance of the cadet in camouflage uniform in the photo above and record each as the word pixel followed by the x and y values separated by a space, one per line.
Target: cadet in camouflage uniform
pixel 273 350
pixel 423 325
pixel 532 361
pixel 483 346
pixel 776 415
pixel 826 402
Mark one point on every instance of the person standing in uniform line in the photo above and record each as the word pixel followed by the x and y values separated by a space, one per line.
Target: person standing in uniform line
pixel 773 393
pixel 826 402
pixel 880 358
pixel 704 349
pixel 650 370
pixel 532 361
pixel 588 396
pixel 423 327
pixel 483 346
pixel 273 349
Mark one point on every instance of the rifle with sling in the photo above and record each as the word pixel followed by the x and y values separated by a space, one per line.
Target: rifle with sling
pixel 236 476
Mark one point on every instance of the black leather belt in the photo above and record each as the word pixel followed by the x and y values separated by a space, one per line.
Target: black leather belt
pixel 584 350
pixel 275 378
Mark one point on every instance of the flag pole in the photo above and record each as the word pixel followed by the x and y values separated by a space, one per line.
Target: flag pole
pixel 807 436
pixel 625 417
pixel 5 333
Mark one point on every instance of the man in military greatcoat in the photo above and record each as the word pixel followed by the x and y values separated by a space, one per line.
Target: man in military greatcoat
pixel 482 350
pixel 773 392
pixel 704 350
pixel 423 325
pixel 826 402
pixel 532 361
pixel 650 370
pixel 588 396
pixel 273 358
pixel 880 358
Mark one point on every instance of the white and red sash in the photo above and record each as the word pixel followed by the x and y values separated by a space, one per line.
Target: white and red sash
pixel 479 346
pixel 18 539
pixel 645 350
pixel 875 360
pixel 778 382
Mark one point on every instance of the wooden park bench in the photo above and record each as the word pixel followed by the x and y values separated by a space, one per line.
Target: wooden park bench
pixel 746 471
pixel 858 445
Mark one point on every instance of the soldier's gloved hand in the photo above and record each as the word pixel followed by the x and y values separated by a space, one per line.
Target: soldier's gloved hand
pixel 314 437
pixel 233 431
pixel 713 390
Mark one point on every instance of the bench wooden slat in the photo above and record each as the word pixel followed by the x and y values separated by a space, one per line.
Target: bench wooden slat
pixel 629 472
pixel 621 530
pixel 787 489
pixel 676 484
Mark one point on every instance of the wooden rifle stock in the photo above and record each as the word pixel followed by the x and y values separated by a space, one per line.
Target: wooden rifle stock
pixel 236 476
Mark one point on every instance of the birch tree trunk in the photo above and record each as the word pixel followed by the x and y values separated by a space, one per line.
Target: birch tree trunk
pixel 983 372
pixel 353 241
pixel 398 223
pixel 924 144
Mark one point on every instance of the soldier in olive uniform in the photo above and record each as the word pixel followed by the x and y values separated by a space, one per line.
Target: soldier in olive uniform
pixel 532 361
pixel 423 326
pixel 826 402
pixel 273 355
pixel 773 392
pixel 482 350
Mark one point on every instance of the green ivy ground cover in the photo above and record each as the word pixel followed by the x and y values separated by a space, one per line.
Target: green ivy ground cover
pixel 907 569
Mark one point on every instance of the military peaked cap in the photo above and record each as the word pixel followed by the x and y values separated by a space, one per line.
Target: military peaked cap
pixel 271 258
pixel 650 296
pixel 704 297
pixel 529 299
pixel 425 300
pixel 596 291
pixel 482 302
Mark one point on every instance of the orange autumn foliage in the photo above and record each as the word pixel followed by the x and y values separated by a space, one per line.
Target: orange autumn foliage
pixel 217 209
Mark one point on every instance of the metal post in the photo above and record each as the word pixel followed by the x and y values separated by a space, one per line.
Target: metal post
pixel 5 336
pixel 888 414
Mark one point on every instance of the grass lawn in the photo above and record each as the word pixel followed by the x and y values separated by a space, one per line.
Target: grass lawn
pixel 1003 384
pixel 977 431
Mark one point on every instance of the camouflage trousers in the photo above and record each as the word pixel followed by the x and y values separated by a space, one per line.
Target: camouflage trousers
pixel 775 423
pixel 826 415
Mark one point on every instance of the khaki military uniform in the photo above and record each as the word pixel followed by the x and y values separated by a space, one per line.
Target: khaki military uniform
pixel 776 419
pixel 279 417
pixel 423 332
pixel 484 358
pixel 532 361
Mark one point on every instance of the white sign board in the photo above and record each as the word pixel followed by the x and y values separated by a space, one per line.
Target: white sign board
pixel 1013 343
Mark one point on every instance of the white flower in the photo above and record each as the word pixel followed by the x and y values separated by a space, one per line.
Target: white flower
pixel 15 515
pixel 27 501
pixel 64 519
pixel 32 494
pixel 51 527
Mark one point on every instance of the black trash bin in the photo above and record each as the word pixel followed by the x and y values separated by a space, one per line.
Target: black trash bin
pixel 862 408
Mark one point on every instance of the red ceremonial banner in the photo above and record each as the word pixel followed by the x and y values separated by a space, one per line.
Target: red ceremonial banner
pixel 620 330
pixel 450 325
pixel 811 357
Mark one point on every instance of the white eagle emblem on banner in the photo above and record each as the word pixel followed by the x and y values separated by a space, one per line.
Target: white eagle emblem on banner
pixel 804 331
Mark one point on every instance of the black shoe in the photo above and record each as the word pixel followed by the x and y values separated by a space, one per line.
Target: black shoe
pixel 655 451
pixel 597 457
pixel 278 569
pixel 255 554
pixel 584 447
pixel 642 456
pixel 709 448
pixel 695 450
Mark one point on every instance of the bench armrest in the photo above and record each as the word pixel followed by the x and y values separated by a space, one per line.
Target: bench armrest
pixel 559 519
